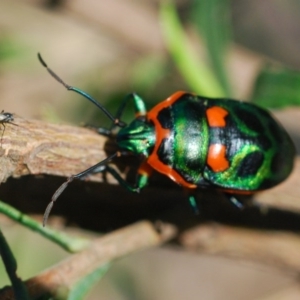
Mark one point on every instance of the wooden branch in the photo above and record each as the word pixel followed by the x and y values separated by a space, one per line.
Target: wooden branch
pixel 35 147
pixel 101 251
pixel 276 248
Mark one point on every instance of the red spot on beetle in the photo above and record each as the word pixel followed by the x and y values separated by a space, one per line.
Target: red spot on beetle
pixel 161 134
pixel 216 158
pixel 216 116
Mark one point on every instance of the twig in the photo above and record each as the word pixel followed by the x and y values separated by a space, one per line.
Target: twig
pixel 275 248
pixel 101 251
pixel 35 147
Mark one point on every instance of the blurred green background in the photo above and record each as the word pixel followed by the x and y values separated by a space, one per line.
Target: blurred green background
pixel 244 49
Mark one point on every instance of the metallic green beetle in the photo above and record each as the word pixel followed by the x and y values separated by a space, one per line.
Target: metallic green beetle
pixel 229 145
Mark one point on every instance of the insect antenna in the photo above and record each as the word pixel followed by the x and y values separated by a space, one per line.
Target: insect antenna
pixel 115 121
pixel 76 176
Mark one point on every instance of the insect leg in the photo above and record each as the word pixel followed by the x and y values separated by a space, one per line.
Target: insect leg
pixel 194 204
pixel 121 180
pixel 82 174
pixel 143 175
pixel 235 201
pixel 139 107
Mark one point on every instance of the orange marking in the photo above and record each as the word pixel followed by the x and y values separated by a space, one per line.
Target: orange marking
pixel 139 114
pixel 240 192
pixel 162 133
pixel 145 169
pixel 216 158
pixel 216 116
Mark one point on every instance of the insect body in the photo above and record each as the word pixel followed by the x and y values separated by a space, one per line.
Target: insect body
pixel 229 145
pixel 5 117
pixel 201 142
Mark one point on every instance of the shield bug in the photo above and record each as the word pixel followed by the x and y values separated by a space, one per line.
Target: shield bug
pixel 198 142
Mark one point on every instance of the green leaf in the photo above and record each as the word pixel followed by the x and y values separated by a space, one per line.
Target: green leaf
pixel 9 49
pixel 84 285
pixel 212 19
pixel 277 87
pixel 20 291
pixel 196 73
pixel 147 72
pixel 69 243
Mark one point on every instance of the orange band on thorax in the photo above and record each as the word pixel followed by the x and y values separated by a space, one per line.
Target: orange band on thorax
pixel 161 134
